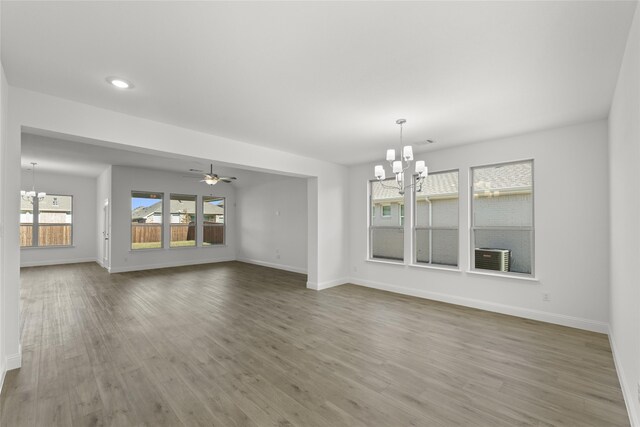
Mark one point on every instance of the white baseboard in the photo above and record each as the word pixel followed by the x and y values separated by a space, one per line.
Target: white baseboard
pixel 3 372
pixel 127 269
pixel 543 316
pixel 14 361
pixel 273 265
pixel 55 261
pixel 326 285
pixel 628 390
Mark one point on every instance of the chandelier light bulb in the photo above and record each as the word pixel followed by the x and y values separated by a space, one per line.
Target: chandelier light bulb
pixel 397 166
pixel 391 155
pixel 407 153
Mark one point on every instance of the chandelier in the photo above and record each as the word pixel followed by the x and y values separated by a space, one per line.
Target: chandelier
pixel 399 167
pixel 30 195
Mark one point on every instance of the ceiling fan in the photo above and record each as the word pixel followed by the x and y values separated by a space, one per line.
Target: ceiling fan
pixel 212 178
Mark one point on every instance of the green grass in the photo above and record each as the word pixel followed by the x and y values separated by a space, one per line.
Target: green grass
pixel 148 245
pixel 158 245
pixel 182 243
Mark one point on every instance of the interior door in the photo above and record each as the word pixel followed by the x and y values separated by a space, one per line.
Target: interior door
pixel 105 234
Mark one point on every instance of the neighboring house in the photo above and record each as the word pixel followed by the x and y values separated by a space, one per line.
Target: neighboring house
pixel 440 191
pixel 502 198
pixel 181 213
pixel 52 210
pixel 437 203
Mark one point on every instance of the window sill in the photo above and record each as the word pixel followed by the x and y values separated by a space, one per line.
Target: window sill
pixel 436 267
pixel 48 247
pixel 172 248
pixel 504 276
pixel 382 261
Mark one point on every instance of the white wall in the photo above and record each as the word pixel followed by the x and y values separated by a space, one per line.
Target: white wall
pixel 571 217
pixel 123 258
pixel 3 282
pixel 624 149
pixel 272 221
pixel 11 233
pixel 103 195
pixel 83 190
pixel 327 248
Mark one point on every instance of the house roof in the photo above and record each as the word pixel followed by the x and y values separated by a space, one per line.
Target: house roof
pixel 436 185
pixel 176 206
pixel 508 178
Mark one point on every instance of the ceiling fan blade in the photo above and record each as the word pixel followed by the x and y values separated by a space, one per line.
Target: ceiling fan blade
pixel 227 177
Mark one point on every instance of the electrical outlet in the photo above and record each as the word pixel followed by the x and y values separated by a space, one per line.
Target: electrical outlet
pixel 546 296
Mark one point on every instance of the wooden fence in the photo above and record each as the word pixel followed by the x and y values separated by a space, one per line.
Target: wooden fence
pixel 213 234
pixel 147 233
pixel 60 234
pixel 48 235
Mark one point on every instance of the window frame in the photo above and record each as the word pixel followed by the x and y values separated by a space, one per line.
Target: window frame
pixel 415 229
pixel 370 226
pixel 224 223
pixel 195 219
pixel 531 229
pixel 131 248
pixel 35 225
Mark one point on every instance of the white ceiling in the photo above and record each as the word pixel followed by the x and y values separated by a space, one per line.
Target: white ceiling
pixel 74 156
pixel 327 79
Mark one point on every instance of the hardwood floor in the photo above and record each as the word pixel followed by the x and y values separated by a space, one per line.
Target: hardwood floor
pixel 234 344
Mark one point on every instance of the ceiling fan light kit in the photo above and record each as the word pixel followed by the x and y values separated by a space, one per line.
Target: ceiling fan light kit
pixel 399 167
pixel 212 178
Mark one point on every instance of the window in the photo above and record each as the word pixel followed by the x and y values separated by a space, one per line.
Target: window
pixel 26 223
pixel 183 221
pixel 402 214
pixel 47 222
pixel 386 235
pixel 502 217
pixel 436 220
pixel 213 211
pixel 146 220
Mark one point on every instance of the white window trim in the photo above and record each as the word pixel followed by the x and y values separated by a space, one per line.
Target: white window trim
pixel 471 269
pixel 195 219
pixel 35 223
pixel 131 249
pixel 224 223
pixel 414 229
pixel 369 256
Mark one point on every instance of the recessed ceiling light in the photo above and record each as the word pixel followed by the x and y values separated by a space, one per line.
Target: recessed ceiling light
pixel 120 83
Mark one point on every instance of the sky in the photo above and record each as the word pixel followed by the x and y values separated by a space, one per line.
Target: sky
pixel 136 202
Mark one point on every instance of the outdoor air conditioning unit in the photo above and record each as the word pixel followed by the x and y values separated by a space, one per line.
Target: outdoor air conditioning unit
pixel 493 259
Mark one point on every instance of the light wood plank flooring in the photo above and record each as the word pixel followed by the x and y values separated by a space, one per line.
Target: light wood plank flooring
pixel 234 344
